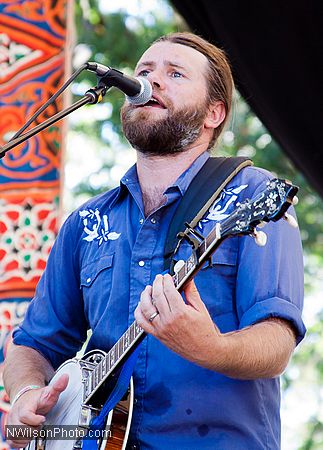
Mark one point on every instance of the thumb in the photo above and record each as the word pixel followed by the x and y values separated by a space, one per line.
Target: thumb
pixel 192 296
pixel 51 393
pixel 61 383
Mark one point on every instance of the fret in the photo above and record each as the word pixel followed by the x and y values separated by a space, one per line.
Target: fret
pixel 199 251
pixel 190 263
pixel 203 246
pixel 137 329
pixel 175 279
pixel 210 238
pixel 87 387
pixel 178 278
pixel 127 340
pixel 182 272
pixel 96 375
pixel 99 372
pixel 93 386
pixel 104 366
pixel 111 357
pixel 132 332
pixel 116 352
pixel 121 345
pixel 119 349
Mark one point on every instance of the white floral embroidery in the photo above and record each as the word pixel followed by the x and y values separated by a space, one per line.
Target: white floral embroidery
pixel 95 227
pixel 218 210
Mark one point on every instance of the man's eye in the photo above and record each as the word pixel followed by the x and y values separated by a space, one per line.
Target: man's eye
pixel 176 74
pixel 143 73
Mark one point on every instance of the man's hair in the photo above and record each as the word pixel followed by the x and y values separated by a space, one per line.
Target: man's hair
pixel 219 77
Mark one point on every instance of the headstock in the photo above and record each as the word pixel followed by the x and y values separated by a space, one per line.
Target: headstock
pixel 269 205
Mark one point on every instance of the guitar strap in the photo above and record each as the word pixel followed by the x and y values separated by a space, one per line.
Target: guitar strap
pixel 202 192
pixel 198 198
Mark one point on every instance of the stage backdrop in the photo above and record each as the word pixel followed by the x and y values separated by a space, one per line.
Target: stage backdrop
pixel 33 47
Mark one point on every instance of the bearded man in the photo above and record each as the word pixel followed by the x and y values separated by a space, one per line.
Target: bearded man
pixel 207 375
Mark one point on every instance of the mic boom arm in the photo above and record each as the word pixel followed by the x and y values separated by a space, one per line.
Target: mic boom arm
pixel 92 96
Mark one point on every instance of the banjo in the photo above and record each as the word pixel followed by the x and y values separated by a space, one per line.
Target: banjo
pixel 92 378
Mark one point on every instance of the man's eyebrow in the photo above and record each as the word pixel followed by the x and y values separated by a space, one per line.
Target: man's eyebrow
pixel 146 64
pixel 167 63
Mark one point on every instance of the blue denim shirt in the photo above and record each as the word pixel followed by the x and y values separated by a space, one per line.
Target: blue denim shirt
pixel 105 255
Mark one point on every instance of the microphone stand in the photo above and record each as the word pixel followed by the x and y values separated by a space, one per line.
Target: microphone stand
pixel 92 96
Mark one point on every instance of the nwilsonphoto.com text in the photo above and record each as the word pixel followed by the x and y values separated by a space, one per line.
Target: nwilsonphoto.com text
pixel 54 432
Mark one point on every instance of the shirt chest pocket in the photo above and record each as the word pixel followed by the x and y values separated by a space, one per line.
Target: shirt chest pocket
pixel 216 281
pixel 96 281
pixel 92 270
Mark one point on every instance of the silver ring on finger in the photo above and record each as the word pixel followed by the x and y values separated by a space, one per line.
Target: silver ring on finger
pixel 153 316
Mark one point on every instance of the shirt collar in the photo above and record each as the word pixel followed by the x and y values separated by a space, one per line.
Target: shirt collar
pixel 184 180
pixel 181 184
pixel 130 177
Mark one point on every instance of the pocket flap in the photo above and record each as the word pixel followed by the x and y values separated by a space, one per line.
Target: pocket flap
pixel 226 254
pixel 91 270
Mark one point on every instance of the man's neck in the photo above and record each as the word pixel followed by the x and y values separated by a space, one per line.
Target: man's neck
pixel 157 173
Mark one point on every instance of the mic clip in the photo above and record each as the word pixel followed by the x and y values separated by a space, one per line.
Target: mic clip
pixel 106 75
pixel 96 93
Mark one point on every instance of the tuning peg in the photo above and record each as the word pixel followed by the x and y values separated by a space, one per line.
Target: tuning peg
pixel 295 200
pixel 262 224
pixel 260 238
pixel 290 220
pixel 179 265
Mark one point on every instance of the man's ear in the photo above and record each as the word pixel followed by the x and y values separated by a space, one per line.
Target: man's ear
pixel 216 115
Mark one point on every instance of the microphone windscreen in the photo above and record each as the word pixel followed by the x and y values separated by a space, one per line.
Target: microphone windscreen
pixel 144 95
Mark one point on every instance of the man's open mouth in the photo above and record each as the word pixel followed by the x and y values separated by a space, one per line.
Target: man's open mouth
pixel 155 102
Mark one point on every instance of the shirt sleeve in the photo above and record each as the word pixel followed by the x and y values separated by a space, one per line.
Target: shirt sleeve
pixel 270 279
pixel 55 324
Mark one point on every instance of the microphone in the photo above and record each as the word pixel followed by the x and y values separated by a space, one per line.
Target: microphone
pixel 138 90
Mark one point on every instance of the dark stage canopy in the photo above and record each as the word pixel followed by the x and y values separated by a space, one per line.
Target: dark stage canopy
pixel 275 48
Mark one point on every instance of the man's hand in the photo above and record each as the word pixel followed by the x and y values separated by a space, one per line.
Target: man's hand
pixel 185 328
pixel 31 408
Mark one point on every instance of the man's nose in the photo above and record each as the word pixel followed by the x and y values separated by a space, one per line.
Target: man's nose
pixel 155 77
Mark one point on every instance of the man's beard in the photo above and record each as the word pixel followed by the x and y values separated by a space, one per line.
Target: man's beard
pixel 166 136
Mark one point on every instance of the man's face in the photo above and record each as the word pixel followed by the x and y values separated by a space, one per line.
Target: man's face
pixel 174 118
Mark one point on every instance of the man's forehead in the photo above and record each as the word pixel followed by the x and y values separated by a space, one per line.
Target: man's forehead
pixel 172 53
